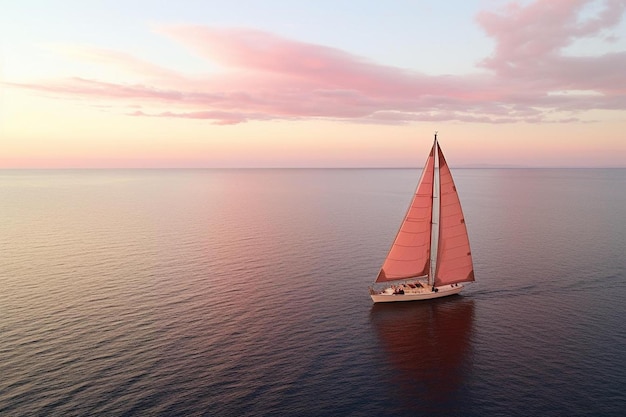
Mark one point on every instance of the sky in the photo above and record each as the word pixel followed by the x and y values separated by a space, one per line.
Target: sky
pixel 324 83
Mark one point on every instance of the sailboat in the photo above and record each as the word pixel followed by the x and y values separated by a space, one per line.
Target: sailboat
pixel 430 256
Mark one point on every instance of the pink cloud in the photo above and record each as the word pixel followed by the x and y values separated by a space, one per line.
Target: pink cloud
pixel 266 77
pixel 317 66
pixel 530 42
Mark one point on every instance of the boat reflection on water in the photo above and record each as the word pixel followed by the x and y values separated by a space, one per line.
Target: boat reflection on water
pixel 428 346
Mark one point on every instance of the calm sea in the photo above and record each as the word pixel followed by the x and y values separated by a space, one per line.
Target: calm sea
pixel 244 293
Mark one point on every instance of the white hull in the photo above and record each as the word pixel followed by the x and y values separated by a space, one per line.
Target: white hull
pixel 417 295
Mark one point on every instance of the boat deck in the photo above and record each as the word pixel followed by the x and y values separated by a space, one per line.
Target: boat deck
pixel 413 292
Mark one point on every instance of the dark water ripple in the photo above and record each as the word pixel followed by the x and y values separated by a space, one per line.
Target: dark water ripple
pixel 244 293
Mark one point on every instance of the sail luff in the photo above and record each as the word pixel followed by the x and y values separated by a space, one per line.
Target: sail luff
pixel 409 255
pixel 454 258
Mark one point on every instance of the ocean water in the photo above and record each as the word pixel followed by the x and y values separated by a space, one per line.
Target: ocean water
pixel 244 293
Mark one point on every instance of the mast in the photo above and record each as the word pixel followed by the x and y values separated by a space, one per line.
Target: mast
pixel 434 229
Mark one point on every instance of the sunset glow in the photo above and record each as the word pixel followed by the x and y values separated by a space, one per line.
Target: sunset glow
pixel 200 84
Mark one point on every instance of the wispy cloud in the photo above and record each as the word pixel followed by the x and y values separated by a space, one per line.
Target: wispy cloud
pixel 116 59
pixel 267 77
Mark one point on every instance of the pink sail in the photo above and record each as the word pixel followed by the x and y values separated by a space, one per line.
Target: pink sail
pixel 409 255
pixel 454 258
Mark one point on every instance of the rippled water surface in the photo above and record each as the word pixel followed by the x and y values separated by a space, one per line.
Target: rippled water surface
pixel 244 293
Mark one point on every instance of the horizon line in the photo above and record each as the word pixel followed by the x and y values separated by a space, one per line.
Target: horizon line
pixel 296 167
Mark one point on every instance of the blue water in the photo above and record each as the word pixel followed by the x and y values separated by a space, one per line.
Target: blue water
pixel 244 293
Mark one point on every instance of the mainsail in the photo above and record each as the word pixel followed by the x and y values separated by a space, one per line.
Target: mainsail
pixel 409 256
pixel 410 253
